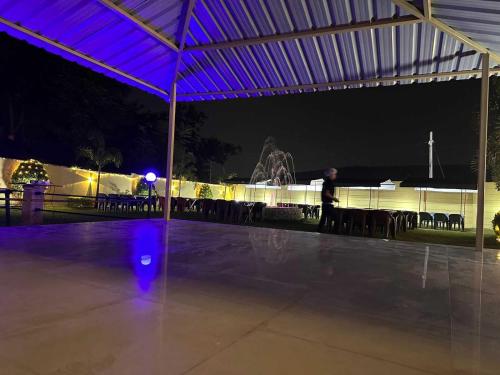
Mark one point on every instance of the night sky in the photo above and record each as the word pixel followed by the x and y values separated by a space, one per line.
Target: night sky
pixel 382 126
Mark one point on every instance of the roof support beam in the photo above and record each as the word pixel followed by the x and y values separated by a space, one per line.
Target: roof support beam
pixel 183 33
pixel 183 30
pixel 330 30
pixel 123 13
pixel 313 86
pixel 81 56
pixel 462 38
pixel 428 9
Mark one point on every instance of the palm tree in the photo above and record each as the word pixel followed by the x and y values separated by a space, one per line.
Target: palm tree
pixel 101 156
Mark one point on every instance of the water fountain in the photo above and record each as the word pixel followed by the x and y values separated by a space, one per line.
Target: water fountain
pixel 275 170
pixel 275 167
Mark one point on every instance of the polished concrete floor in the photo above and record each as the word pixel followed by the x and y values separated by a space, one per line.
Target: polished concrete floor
pixel 108 298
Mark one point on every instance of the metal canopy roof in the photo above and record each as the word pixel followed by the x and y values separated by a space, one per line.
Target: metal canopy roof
pixel 222 49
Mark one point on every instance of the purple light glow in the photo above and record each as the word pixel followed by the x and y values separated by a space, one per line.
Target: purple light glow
pixel 147 253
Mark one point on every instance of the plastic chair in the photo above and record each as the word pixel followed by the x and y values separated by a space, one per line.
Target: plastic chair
pixel 384 221
pixel 456 220
pixel 441 221
pixel 357 219
pixel 427 219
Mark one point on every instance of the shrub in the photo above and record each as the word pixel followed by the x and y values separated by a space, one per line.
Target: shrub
pixel 205 192
pixel 29 170
pixel 496 225
pixel 142 187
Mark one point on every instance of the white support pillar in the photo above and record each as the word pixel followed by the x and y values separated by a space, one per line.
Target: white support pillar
pixel 483 136
pixel 182 30
pixel 170 151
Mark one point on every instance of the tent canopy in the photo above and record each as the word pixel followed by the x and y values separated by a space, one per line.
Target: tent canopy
pixel 219 49
pixel 243 48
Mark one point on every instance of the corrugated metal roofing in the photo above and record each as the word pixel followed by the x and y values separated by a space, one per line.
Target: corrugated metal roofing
pixel 478 19
pixel 114 35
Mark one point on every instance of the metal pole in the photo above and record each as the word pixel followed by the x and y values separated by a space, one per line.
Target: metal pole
pixel 7 207
pixel 431 162
pixel 425 199
pixel 419 199
pixel 483 136
pixel 465 205
pixel 461 200
pixel 149 200
pixel 170 151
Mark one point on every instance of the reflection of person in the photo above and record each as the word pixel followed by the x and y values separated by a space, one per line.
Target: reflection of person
pixel 327 197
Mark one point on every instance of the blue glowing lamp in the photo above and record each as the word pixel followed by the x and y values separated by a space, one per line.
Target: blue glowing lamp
pixel 150 177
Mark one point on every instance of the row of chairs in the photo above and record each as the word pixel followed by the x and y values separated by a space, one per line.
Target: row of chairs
pixel 121 202
pixel 221 210
pixel 343 220
pixel 439 220
pixel 232 211
pixel 310 211
pixel 383 222
pixel 125 203
pixel 389 223
pixel 181 204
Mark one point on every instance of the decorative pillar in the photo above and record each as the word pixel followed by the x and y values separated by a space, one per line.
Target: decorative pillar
pixel 33 200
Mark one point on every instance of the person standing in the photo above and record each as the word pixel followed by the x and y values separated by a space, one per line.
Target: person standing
pixel 327 197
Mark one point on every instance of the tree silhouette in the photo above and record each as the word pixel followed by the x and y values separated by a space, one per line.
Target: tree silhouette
pixel 493 143
pixel 100 156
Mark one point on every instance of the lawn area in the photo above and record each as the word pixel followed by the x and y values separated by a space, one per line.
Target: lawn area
pixel 76 215
pixel 73 215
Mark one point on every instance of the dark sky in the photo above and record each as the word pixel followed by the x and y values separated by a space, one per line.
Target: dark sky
pixel 382 126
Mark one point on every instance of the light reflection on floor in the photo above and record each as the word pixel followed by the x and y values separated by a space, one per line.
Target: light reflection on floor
pixel 106 298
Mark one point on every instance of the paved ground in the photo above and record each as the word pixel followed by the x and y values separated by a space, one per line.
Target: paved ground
pixel 107 298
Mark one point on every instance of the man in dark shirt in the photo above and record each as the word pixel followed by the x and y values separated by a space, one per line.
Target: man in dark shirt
pixel 327 197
